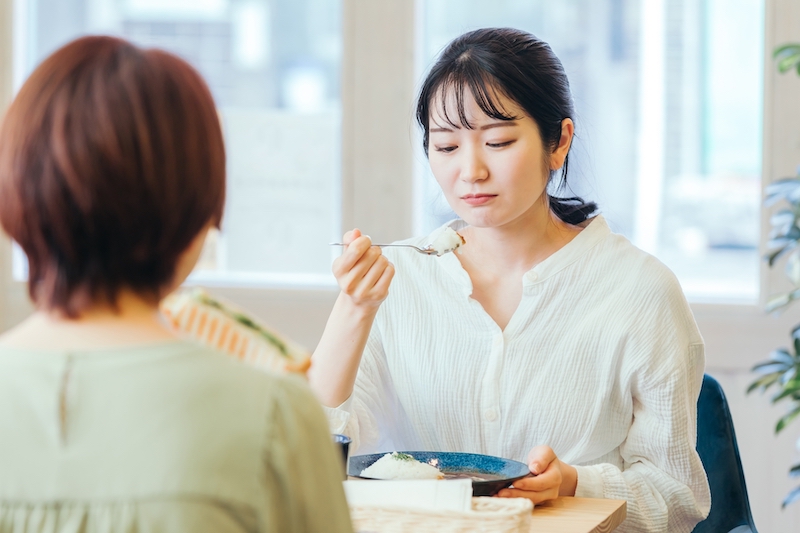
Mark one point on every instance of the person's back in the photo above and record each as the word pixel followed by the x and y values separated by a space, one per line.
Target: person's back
pixel 112 172
pixel 161 437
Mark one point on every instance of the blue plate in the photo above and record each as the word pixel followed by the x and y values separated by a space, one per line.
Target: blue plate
pixel 489 474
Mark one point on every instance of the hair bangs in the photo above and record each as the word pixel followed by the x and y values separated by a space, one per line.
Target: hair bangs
pixel 484 89
pixel 503 66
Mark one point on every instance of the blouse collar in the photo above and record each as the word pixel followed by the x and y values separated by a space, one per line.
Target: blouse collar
pixel 595 230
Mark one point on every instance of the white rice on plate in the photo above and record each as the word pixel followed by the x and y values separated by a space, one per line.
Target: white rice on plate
pixel 398 465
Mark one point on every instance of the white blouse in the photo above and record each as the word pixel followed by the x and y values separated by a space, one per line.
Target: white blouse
pixel 602 361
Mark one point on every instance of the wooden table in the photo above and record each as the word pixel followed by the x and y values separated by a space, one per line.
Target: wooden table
pixel 578 515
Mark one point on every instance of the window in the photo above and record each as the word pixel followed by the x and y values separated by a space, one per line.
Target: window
pixel 667 94
pixel 274 69
pixel 332 111
pixel 668 100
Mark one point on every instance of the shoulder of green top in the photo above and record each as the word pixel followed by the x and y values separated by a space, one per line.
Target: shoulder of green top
pixel 243 320
pixel 400 456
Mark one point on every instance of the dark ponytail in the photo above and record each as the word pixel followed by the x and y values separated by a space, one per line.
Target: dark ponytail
pixel 523 68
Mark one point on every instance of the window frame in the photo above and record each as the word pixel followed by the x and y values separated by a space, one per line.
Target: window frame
pixel 379 189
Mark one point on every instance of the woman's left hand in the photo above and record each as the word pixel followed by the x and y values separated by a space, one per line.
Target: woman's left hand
pixel 551 478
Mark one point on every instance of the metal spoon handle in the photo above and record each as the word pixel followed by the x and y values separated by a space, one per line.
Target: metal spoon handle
pixel 374 244
pixel 427 251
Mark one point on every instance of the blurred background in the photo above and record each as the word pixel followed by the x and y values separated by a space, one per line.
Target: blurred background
pixel 668 100
pixel 273 67
pixel 679 116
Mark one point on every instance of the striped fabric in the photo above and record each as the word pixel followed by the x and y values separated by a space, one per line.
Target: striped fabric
pixel 219 325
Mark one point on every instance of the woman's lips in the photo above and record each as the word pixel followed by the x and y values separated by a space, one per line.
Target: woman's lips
pixel 478 199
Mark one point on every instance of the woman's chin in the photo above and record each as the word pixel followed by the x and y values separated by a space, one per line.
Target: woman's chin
pixel 479 222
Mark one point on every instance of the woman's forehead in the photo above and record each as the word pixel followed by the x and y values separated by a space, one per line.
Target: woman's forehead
pixel 457 106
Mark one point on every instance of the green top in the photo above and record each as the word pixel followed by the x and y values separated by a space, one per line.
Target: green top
pixel 165 437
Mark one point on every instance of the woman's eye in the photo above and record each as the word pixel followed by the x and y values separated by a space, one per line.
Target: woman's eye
pixel 501 144
pixel 445 149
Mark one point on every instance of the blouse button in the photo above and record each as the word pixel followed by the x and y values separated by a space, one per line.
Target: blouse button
pixel 532 276
pixel 490 415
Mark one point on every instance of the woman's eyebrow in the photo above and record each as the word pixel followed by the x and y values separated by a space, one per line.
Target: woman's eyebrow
pixel 509 123
pixel 440 129
pixel 499 124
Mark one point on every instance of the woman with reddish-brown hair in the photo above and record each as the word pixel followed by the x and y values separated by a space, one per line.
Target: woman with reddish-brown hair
pixel 112 171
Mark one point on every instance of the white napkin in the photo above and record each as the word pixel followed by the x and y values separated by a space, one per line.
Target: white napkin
pixel 427 494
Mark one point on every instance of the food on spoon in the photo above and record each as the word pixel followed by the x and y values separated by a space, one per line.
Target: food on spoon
pixel 447 241
pixel 398 465
pixel 220 325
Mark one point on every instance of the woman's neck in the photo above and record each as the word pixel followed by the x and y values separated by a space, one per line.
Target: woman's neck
pixel 134 321
pixel 518 246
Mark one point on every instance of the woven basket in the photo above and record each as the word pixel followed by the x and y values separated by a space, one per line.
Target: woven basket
pixel 492 515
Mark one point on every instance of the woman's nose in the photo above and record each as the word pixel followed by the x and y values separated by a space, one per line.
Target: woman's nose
pixel 473 167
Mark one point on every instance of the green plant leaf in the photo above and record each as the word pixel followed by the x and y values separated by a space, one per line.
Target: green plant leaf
pixel 786 419
pixel 780 241
pixel 788 48
pixel 788 63
pixel 784 216
pixel 778 302
pixel 764 382
pixel 792 268
pixel 770 367
pixel 788 57
pixel 783 233
pixel 782 355
pixel 787 245
pixel 779 235
pixel 783 367
pixel 792 497
pixel 789 389
pixel 782 189
pixel 788 376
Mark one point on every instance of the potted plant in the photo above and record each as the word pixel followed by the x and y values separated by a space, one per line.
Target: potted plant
pixel 781 372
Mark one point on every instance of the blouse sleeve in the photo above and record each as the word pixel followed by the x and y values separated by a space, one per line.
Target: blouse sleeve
pixel 303 471
pixel 662 478
pixel 369 415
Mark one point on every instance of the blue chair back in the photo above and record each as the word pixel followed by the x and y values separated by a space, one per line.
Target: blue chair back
pixel 716 445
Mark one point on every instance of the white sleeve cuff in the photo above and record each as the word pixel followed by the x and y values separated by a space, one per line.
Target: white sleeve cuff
pixel 338 417
pixel 590 482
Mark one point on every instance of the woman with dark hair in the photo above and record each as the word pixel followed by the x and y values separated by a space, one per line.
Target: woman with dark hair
pixel 549 340
pixel 112 171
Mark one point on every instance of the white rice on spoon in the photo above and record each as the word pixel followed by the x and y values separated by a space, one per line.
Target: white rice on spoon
pixel 447 241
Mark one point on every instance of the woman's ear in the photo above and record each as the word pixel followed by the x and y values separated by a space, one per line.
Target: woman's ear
pixel 562 149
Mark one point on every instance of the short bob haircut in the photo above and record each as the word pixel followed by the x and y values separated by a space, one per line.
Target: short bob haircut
pixel 111 163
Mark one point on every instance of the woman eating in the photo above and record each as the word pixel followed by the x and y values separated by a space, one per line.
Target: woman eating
pixel 112 171
pixel 548 339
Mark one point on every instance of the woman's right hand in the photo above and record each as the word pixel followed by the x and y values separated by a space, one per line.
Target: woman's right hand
pixel 364 275
pixel 362 271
